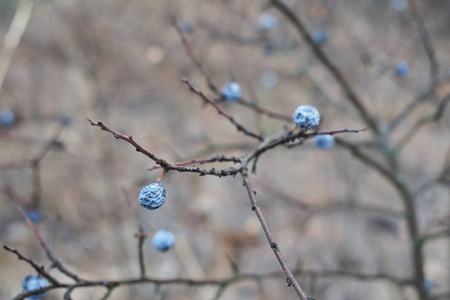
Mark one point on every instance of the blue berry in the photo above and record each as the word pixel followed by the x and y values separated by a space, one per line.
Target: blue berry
pixel 267 21
pixel 34 215
pixel 34 283
pixel 399 5
pixel 232 91
pixel 7 118
pixel 429 285
pixel 306 115
pixel 186 26
pixel 64 119
pixel 153 196
pixel 324 141
pixel 319 36
pixel 269 79
pixel 402 69
pixel 163 240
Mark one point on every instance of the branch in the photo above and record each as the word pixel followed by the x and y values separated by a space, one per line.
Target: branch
pixel 163 163
pixel 290 279
pixel 220 111
pixel 39 269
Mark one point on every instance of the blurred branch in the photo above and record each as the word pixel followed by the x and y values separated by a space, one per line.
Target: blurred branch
pixel 14 35
pixel 326 61
pixel 436 116
pixel 191 54
pixel 425 37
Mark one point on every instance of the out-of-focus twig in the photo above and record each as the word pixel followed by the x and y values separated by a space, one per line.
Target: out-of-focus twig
pixel 14 35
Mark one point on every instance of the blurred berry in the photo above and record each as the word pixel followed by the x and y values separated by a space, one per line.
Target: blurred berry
pixel 269 47
pixel 163 240
pixel 7 118
pixel 324 141
pixel 382 225
pixel 319 36
pixel 269 79
pixel 232 91
pixel 34 283
pixel 267 21
pixel 399 5
pixel 429 285
pixel 153 196
pixel 34 215
pixel 402 69
pixel 64 119
pixel 306 115
pixel 186 26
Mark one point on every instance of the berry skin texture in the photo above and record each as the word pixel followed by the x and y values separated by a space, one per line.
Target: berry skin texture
pixel 7 118
pixel 402 69
pixel 153 196
pixel 267 21
pixel 306 115
pixel 163 240
pixel 232 91
pixel 34 283
pixel 325 141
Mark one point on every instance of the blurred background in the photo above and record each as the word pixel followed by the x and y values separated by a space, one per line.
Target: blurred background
pixel 121 62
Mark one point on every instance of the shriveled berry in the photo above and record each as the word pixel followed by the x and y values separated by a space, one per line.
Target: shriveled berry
pixel 324 141
pixel 163 240
pixel 306 115
pixel 34 283
pixel 232 91
pixel 153 196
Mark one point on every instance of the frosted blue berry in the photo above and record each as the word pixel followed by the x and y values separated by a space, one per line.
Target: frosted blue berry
pixel 34 283
pixel 402 69
pixel 269 79
pixel 163 240
pixel 232 91
pixel 267 21
pixel 319 36
pixel 324 141
pixel 7 118
pixel 153 196
pixel 306 115
pixel 34 215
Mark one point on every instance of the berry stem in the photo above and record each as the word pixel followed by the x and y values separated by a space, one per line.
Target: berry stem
pixel 162 174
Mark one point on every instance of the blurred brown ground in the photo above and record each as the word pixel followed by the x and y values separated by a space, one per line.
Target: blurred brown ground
pixel 121 62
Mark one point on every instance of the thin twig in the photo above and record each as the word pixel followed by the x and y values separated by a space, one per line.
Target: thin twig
pixel 163 163
pixel 220 111
pixel 290 279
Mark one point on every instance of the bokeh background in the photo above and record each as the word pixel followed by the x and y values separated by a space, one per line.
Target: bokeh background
pixel 121 62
